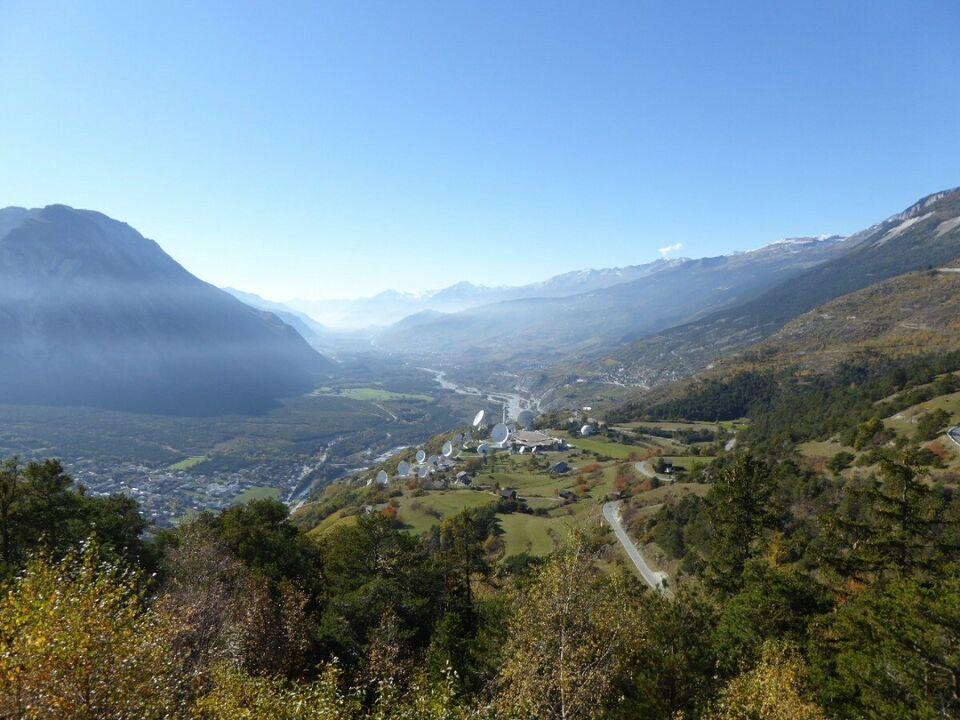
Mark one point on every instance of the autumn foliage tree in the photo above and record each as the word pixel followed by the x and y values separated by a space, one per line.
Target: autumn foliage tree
pixel 572 638
pixel 76 641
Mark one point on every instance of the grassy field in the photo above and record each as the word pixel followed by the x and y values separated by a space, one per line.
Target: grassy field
pixel 904 423
pixel 374 394
pixel 257 492
pixel 422 513
pixel 687 461
pixel 190 462
pixel 603 446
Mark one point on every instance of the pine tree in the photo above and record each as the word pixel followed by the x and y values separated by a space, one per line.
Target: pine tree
pixel 897 526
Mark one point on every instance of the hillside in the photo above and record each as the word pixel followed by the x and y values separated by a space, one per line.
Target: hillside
pixel 927 234
pixel 530 331
pixel 93 313
pixel 908 315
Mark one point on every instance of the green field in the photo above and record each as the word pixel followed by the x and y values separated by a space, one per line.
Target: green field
pixel 904 422
pixel 417 512
pixel 257 492
pixel 687 461
pixel 602 446
pixel 374 394
pixel 190 462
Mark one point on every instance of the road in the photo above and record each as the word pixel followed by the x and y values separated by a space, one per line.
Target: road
pixel 646 469
pixel 954 434
pixel 611 513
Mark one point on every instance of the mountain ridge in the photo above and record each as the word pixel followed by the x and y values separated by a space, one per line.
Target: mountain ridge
pixel 93 313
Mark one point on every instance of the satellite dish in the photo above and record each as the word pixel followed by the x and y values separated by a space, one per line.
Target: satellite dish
pixel 499 434
pixel 586 430
pixel 468 437
pixel 421 456
pixel 478 419
pixel 483 448
pixel 525 419
pixel 447 449
pixel 382 478
pixel 433 460
pixel 457 439
pixel 423 471
pixel 403 469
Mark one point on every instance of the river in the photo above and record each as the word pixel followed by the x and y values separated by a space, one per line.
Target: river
pixel 513 402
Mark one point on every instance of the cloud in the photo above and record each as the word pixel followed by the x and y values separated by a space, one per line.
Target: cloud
pixel 671 249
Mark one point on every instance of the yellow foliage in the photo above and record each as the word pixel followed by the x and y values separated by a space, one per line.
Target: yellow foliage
pixel 75 642
pixel 770 691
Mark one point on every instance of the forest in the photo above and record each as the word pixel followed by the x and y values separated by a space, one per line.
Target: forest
pixel 806 598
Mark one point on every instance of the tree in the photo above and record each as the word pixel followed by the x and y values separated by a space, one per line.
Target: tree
pixel 775 689
pixel 676 674
pixel 573 637
pixel 840 461
pixel 77 642
pixel 227 611
pixel 372 570
pixel 738 512
pixel 41 509
pixel 896 526
pixel 931 424
pixel 773 604
pixel 892 651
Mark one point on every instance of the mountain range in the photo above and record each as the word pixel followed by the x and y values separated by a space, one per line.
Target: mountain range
pixel 524 332
pixel 92 313
pixel 392 306
pixel 925 235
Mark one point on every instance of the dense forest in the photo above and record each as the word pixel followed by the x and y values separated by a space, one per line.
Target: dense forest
pixel 806 598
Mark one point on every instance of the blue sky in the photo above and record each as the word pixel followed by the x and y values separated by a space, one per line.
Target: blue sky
pixel 336 149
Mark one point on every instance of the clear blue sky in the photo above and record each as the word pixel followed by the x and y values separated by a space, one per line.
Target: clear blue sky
pixel 334 149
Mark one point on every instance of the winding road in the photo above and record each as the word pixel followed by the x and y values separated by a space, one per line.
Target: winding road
pixel 611 513
pixel 646 469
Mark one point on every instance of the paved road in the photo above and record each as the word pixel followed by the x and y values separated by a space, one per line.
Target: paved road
pixel 611 513
pixel 954 434
pixel 646 469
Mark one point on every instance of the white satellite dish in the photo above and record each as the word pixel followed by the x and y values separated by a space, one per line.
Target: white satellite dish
pixel 499 434
pixel 421 456
pixel 382 478
pixel 447 450
pixel 478 419
pixel 403 469
pixel 423 471
pixel 525 419
pixel 483 448
pixel 586 430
